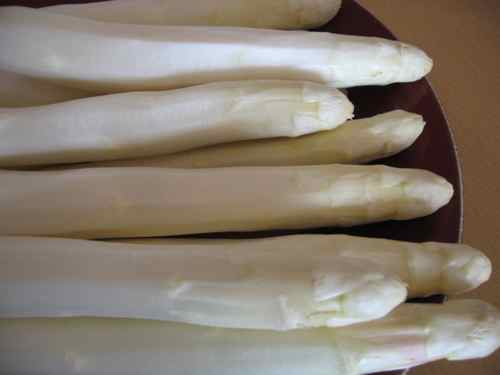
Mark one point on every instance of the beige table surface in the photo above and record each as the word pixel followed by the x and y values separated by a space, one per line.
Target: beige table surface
pixel 463 38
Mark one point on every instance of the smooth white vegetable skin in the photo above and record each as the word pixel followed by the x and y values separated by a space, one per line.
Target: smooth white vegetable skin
pixel 414 334
pixel 244 285
pixel 21 91
pixel 357 141
pixel 139 202
pixel 427 268
pixel 274 283
pixel 269 14
pixel 115 57
pixel 148 123
pixel 410 336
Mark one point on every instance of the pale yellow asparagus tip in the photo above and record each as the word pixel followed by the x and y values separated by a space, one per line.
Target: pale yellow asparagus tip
pixel 319 105
pixel 465 269
pixel 415 63
pixel 446 268
pixel 399 129
pixel 466 329
pixel 420 333
pixel 425 192
pixel 373 300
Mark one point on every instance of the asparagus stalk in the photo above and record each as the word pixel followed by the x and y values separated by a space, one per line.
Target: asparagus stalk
pixel 145 202
pixel 148 123
pixel 277 283
pixel 108 57
pixel 22 91
pixel 427 268
pixel 219 286
pixel 410 336
pixel 269 14
pixel 354 142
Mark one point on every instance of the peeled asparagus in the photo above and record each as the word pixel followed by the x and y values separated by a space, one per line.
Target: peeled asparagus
pixel 109 57
pixel 277 283
pixel 427 268
pixel 409 336
pixel 354 142
pixel 20 91
pixel 150 123
pixel 269 14
pixel 142 202
pixel 222 286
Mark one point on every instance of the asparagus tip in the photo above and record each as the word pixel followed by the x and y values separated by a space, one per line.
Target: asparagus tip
pixel 426 193
pixel 415 63
pixel 373 298
pixel 464 329
pixel 466 270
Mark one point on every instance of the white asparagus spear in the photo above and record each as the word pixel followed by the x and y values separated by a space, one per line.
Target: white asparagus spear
pixel 269 14
pixel 149 123
pixel 220 286
pixel 410 336
pixel 108 57
pixel 426 268
pixel 355 142
pixel 144 202
pixel 20 91
pixel 415 334
pixel 277 283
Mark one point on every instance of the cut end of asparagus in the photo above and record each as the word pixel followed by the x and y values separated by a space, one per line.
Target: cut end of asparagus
pixel 464 329
pixel 323 108
pixel 415 63
pixel 425 193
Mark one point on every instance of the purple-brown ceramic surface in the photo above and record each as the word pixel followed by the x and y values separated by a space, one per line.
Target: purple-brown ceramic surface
pixel 434 150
